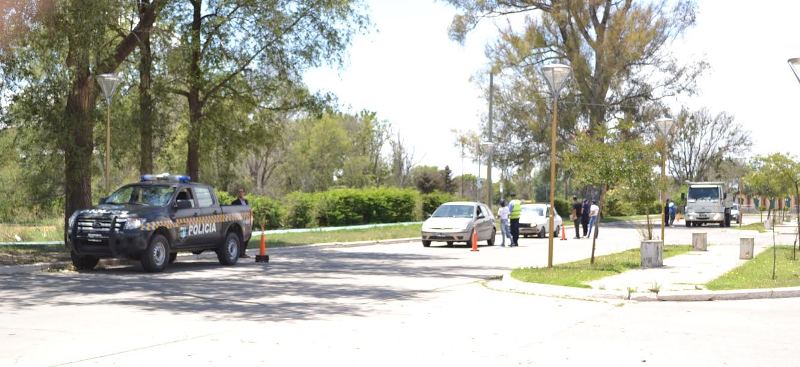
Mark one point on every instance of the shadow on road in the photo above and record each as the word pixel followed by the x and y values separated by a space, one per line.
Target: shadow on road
pixel 305 284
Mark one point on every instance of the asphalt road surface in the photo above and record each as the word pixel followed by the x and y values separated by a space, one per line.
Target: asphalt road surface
pixel 387 305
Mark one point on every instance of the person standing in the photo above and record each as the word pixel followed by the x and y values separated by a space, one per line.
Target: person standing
pixel 515 210
pixel 673 209
pixel 503 213
pixel 577 208
pixel 594 211
pixel 240 200
pixel 666 212
pixel 585 217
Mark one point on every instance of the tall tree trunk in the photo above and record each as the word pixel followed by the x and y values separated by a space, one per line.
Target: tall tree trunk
pixel 195 104
pixel 79 137
pixel 145 97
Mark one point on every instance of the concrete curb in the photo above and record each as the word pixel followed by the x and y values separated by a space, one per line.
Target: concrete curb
pixel 510 284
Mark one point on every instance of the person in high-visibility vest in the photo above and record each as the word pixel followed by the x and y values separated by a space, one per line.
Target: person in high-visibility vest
pixel 515 208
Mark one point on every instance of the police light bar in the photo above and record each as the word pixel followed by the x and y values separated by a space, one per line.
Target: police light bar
pixel 165 177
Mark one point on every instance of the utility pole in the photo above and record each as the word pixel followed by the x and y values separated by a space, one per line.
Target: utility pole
pixel 491 147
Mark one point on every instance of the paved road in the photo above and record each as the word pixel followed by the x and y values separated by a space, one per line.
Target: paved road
pixel 394 305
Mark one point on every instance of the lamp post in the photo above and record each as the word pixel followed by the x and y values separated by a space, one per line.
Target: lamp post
pixel 556 75
pixel 664 126
pixel 794 63
pixel 108 83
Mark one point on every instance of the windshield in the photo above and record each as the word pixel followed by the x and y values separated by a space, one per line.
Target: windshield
pixel 703 193
pixel 454 211
pixel 533 210
pixel 151 195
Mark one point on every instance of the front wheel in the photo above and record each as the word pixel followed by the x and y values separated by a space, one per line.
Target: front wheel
pixel 426 243
pixel 541 232
pixel 228 253
pixel 86 262
pixel 156 257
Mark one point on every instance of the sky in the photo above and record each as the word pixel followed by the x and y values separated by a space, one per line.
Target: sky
pixel 408 71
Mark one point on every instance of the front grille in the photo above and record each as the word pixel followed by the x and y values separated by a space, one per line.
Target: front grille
pixel 524 225
pixel 98 228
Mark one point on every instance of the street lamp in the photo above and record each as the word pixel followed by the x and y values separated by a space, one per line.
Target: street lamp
pixel 108 83
pixel 556 76
pixel 664 126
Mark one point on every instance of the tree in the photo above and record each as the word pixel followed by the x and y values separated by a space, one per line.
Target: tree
pixel 704 142
pixel 448 185
pixel 254 50
pixel 613 161
pixel 81 39
pixel 617 49
pixel 427 179
pixel 777 175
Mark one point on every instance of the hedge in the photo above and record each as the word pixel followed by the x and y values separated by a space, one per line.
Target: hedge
pixel 432 201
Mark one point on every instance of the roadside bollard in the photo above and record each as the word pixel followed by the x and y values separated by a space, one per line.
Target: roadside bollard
pixel 746 247
pixel 262 256
pixel 699 241
pixel 474 240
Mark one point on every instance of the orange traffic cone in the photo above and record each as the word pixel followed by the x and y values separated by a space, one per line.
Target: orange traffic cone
pixel 262 256
pixel 563 233
pixel 474 240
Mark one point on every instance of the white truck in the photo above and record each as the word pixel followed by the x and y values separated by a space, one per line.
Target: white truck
pixel 707 202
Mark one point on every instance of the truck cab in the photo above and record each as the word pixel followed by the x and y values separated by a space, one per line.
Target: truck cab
pixel 707 202
pixel 154 219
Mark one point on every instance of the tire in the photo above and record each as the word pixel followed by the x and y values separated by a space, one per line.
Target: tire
pixel 228 251
pixel 541 232
pixel 426 243
pixel 555 234
pixel 688 223
pixel 156 257
pixel 450 243
pixel 172 257
pixel 86 262
pixel 490 241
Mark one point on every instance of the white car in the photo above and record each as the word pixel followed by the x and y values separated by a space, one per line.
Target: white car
pixel 736 215
pixel 534 221
pixel 453 222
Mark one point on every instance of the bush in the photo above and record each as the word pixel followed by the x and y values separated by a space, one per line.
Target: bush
pixel 300 210
pixel 224 197
pixel 266 211
pixel 362 206
pixel 563 207
pixel 432 201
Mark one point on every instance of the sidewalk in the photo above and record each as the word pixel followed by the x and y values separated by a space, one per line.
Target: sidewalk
pixel 682 278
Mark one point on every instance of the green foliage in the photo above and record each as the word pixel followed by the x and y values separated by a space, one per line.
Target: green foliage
pixel 300 210
pixel 427 179
pixel 266 212
pixel 563 208
pixel 374 205
pixel 432 201
pixel 224 197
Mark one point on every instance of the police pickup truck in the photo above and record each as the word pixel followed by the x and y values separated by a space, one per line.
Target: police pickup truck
pixel 153 220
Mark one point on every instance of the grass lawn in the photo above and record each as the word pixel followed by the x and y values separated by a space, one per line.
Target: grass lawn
pixel 757 273
pixel 51 230
pixel 576 274
pixel 750 227
pixel 626 218
pixel 347 235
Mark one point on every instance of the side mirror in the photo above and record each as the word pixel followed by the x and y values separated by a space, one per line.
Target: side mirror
pixel 102 200
pixel 183 204
pixel 481 216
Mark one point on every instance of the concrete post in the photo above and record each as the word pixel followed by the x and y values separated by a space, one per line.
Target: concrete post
pixel 699 241
pixel 746 245
pixel 652 253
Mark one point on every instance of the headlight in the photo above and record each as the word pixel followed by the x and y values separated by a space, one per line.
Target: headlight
pixel 71 220
pixel 134 223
